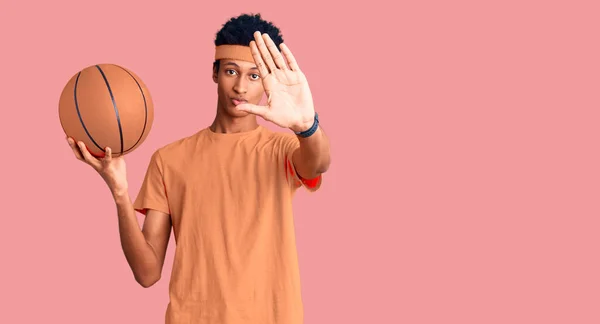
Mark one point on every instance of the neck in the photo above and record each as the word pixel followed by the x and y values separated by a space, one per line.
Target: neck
pixel 226 124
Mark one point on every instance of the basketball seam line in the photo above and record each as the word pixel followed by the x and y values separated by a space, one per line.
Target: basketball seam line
pixel 114 106
pixel 145 110
pixel 79 113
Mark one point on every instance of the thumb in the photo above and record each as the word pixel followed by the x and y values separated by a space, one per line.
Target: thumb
pixel 253 109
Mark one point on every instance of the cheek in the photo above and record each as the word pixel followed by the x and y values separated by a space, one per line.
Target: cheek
pixel 221 87
pixel 257 91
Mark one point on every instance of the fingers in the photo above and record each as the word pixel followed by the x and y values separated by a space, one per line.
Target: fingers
pixel 289 57
pixel 107 154
pixel 75 149
pixel 261 111
pixel 81 153
pixel 268 57
pixel 277 57
pixel 262 68
pixel 84 151
pixel 87 156
pixel 263 51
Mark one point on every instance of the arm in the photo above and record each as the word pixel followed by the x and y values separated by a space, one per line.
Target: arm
pixel 144 249
pixel 289 104
pixel 312 158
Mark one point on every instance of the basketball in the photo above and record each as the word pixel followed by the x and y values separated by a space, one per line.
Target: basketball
pixel 106 105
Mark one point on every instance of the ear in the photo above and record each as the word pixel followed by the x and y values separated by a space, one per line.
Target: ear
pixel 215 74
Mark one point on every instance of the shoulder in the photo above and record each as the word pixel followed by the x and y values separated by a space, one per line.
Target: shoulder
pixel 281 140
pixel 279 144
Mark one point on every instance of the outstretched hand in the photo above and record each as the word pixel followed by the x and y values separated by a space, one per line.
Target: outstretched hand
pixel 289 100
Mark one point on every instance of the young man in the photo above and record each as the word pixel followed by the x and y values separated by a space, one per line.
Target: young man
pixel 227 190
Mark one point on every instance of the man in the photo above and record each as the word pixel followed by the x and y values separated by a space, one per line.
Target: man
pixel 227 190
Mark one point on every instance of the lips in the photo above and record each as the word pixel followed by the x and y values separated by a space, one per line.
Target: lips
pixel 238 101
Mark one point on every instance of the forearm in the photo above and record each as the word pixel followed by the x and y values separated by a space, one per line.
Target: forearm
pixel 313 155
pixel 140 255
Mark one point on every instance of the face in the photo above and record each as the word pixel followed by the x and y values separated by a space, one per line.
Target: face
pixel 238 82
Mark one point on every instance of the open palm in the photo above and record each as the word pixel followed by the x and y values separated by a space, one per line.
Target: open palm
pixel 289 99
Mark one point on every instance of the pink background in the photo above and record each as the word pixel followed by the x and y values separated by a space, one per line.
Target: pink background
pixel 465 178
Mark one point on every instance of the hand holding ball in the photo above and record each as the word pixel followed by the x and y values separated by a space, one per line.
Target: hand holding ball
pixel 106 105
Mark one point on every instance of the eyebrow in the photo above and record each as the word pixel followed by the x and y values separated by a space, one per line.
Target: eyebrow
pixel 231 63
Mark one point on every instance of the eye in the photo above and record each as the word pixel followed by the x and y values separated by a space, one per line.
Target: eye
pixel 255 76
pixel 231 72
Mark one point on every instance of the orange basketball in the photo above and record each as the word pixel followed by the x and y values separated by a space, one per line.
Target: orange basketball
pixel 106 105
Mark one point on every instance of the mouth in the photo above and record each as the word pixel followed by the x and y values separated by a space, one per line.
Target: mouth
pixel 238 101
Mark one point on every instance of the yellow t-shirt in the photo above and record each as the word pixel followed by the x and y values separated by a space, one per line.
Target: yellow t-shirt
pixel 230 201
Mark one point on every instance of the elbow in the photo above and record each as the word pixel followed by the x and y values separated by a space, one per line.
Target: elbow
pixel 315 172
pixel 318 169
pixel 324 166
pixel 147 281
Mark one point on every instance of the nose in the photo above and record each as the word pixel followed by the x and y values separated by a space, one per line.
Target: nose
pixel 240 86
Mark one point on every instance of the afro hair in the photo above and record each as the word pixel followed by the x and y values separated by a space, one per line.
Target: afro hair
pixel 240 31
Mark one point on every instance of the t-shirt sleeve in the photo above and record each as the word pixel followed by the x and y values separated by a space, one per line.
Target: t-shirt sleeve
pixel 290 144
pixel 152 194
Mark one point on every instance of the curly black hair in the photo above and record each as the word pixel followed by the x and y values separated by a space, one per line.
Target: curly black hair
pixel 240 31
